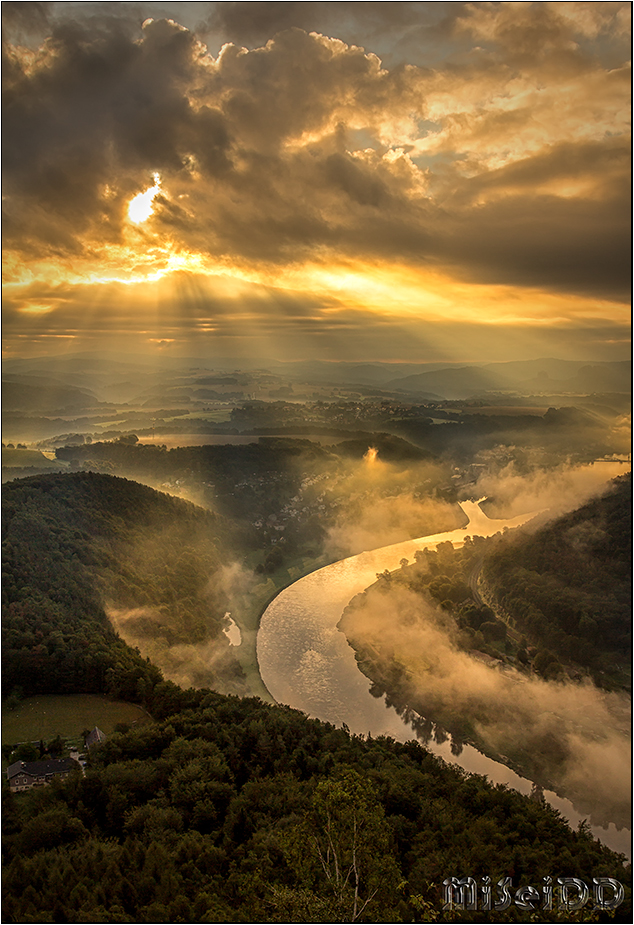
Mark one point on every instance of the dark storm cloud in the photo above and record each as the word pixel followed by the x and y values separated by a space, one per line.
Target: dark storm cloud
pixel 572 246
pixel 518 231
pixel 99 109
pixel 597 162
pixel 21 20
pixel 307 146
pixel 253 23
pixel 103 106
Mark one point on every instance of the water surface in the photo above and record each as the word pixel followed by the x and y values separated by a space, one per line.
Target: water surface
pixel 306 662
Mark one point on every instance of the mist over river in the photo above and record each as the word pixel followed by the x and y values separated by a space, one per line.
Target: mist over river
pixel 306 662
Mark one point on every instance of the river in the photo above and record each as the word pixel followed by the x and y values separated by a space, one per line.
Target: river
pixel 306 662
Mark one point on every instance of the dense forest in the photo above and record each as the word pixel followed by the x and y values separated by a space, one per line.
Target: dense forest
pixel 568 586
pixel 429 642
pixel 283 495
pixel 73 544
pixel 248 484
pixel 229 810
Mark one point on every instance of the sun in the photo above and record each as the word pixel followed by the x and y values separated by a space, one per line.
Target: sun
pixel 140 208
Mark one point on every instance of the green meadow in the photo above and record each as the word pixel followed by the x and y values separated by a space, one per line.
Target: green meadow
pixel 45 716
pixel 20 459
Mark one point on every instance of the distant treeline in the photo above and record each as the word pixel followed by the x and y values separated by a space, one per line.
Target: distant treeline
pixel 569 433
pixel 227 461
pixel 586 431
pixel 249 484
pixel 72 543
pixel 242 482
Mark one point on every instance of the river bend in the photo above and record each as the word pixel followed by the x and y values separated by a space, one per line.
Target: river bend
pixel 306 662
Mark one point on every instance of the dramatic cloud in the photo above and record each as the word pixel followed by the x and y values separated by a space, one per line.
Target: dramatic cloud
pixel 504 164
pixel 359 23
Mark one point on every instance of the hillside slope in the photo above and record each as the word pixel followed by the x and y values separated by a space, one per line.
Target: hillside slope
pixel 569 585
pixel 229 810
pixel 224 809
pixel 76 545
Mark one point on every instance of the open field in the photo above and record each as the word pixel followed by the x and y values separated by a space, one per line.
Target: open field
pixel 46 716
pixel 23 458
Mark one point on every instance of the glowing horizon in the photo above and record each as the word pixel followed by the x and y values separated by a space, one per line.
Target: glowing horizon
pixel 366 202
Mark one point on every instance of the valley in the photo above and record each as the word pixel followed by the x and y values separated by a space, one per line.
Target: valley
pixel 148 571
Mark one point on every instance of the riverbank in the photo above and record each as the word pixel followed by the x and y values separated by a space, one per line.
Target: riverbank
pixel 307 663
pixel 249 606
pixel 401 693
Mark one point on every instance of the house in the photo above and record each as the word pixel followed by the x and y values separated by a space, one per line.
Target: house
pixel 95 737
pixel 22 775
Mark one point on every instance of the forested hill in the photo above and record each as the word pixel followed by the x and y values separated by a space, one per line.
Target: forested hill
pixel 225 809
pixel 568 587
pixel 229 810
pixel 75 543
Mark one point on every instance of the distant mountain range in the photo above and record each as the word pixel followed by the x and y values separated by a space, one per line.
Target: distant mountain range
pixel 524 378
pixel 25 393
pixel 72 384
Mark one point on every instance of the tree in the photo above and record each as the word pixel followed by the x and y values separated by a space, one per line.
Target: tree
pixel 56 746
pixel 26 751
pixel 522 655
pixel 493 629
pixel 351 848
pixel 14 699
pixel 543 660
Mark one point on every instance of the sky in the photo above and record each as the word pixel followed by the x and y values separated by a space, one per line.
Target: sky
pixel 338 181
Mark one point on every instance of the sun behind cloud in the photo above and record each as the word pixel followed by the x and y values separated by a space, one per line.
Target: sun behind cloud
pixel 140 208
pixel 423 200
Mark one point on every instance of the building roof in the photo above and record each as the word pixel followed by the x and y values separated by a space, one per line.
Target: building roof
pixel 95 737
pixel 41 768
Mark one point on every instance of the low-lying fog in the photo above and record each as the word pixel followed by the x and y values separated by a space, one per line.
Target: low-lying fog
pixel 381 507
pixel 581 733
